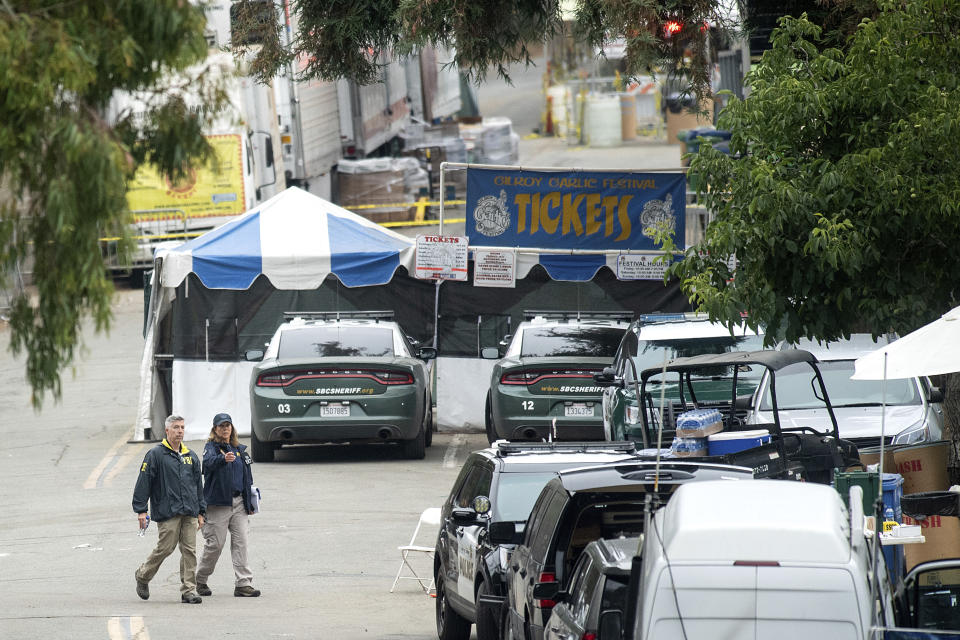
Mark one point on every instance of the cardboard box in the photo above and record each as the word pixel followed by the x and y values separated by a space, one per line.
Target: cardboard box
pixel 942 535
pixel 871 455
pixel 923 466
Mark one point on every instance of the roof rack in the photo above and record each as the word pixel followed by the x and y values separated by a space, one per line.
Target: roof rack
pixel 623 316
pixel 337 315
pixel 505 448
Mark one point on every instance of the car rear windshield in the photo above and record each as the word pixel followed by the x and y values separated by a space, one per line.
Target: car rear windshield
pixel 797 388
pixel 326 342
pixel 544 342
pixel 516 493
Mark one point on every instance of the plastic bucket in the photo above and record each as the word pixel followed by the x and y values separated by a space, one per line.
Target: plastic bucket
pixel 602 120
pixel 734 441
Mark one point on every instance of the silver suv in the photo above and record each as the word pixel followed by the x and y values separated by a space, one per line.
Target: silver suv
pixel 913 405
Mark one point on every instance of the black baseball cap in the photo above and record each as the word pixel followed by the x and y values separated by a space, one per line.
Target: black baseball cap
pixel 220 418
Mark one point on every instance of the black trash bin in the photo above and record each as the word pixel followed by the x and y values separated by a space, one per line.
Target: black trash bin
pixel 932 503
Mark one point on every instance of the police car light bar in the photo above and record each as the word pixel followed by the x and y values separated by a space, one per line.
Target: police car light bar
pixel 622 316
pixel 337 315
pixel 505 448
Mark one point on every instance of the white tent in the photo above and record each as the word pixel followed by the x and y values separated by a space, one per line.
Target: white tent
pixel 931 350
pixel 295 240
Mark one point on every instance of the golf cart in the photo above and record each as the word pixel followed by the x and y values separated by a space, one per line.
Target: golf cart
pixel 795 452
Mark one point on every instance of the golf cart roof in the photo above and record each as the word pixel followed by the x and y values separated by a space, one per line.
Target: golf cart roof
pixel 773 360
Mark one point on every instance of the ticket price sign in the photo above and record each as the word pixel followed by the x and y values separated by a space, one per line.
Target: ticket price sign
pixel 494 269
pixel 641 267
pixel 441 258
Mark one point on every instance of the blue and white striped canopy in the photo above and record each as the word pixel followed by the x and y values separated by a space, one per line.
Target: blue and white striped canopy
pixel 296 240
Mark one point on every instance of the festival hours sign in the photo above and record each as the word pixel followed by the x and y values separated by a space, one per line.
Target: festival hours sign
pixel 441 258
pixel 641 267
pixel 573 210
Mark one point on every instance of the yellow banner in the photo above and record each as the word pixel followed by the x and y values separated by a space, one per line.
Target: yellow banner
pixel 210 189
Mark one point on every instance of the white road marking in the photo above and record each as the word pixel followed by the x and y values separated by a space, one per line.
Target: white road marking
pixel 127 628
pixel 111 464
pixel 450 457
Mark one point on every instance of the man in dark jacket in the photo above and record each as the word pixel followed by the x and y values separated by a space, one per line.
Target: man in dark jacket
pixel 170 478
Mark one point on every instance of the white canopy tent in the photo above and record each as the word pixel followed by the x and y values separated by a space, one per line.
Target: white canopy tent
pixel 295 240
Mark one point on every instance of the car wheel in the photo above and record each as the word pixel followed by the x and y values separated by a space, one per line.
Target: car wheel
pixel 488 422
pixel 486 621
pixel 415 449
pixel 450 624
pixel 428 426
pixel 261 451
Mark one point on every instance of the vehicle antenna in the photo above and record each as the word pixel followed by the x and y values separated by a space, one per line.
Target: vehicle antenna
pixel 663 392
pixel 673 584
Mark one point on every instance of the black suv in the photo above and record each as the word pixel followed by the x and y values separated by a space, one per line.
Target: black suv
pixel 578 507
pixel 599 582
pixel 495 490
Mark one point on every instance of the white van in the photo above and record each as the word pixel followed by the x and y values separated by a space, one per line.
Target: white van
pixel 762 559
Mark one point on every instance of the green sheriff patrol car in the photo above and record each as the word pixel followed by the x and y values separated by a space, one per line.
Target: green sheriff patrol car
pixel 340 377
pixel 543 386
pixel 654 338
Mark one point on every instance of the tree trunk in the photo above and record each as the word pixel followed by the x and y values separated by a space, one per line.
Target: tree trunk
pixel 951 419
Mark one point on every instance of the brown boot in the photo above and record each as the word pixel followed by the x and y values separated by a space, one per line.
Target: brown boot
pixel 246 592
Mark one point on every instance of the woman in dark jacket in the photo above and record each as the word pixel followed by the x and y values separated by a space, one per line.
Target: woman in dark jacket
pixel 227 482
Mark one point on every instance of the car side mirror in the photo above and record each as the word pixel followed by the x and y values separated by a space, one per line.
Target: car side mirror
pixel 548 591
pixel 464 515
pixel 502 532
pixel 490 353
pixel 610 625
pixel 936 395
pixel 426 353
pixel 608 378
pixel 254 355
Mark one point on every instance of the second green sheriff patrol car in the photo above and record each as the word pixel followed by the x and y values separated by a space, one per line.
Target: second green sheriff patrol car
pixel 543 386
pixel 340 379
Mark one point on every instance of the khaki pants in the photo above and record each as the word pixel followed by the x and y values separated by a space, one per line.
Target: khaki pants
pixel 219 522
pixel 178 529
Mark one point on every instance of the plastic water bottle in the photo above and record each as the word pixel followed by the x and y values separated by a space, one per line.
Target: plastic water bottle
pixel 143 529
pixel 888 519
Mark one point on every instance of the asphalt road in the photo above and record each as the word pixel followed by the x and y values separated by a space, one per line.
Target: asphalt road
pixel 323 549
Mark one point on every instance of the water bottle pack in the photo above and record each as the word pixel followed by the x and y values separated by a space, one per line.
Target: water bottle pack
pixel 699 423
pixel 685 447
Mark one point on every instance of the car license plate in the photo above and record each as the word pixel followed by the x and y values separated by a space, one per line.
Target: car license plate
pixel 335 411
pixel 578 410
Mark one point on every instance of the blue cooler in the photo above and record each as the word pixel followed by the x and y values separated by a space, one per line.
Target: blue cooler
pixel 734 441
pixel 893 554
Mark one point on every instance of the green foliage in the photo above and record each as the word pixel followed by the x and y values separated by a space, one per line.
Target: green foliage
pixel 64 167
pixel 351 39
pixel 842 212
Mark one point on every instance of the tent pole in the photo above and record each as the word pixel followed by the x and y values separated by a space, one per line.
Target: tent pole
pixel 443 169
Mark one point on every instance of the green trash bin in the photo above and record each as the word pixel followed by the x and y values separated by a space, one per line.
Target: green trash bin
pixel 869 481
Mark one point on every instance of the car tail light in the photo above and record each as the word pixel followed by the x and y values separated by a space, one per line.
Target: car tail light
pixel 392 377
pixel 529 377
pixel 275 379
pixel 589 635
pixel 518 377
pixel 282 379
pixel 546 576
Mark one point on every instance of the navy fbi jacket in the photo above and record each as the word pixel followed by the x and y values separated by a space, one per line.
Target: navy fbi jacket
pixel 172 482
pixel 218 474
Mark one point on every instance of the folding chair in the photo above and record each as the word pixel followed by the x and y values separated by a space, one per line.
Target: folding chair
pixel 430 517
